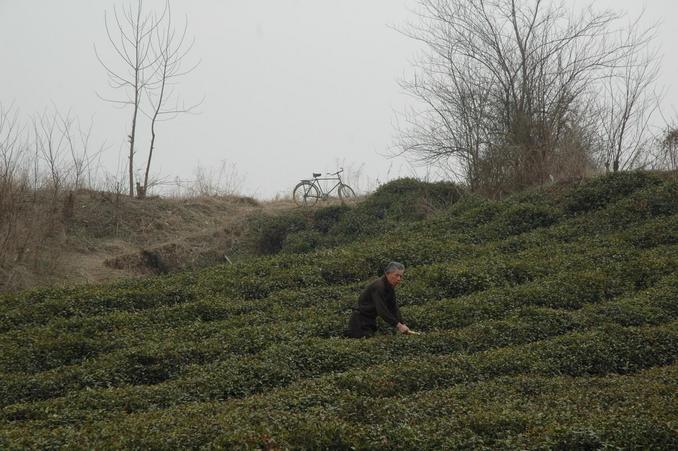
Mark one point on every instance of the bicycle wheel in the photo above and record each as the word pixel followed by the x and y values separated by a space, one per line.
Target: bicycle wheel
pixel 305 194
pixel 346 192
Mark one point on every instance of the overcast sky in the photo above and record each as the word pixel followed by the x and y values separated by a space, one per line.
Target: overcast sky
pixel 290 86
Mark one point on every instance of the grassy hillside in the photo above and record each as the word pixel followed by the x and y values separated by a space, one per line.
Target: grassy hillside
pixel 94 237
pixel 550 320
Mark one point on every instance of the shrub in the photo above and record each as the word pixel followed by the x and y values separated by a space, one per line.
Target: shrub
pixel 324 219
pixel 410 199
pixel 268 232
pixel 521 218
pixel 302 241
pixel 601 191
pixel 659 232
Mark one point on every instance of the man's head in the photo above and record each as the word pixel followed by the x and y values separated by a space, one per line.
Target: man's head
pixel 394 273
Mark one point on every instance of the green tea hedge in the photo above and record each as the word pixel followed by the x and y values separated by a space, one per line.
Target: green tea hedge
pixel 549 320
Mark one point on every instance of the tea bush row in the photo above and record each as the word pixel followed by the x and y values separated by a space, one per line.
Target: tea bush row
pixel 656 204
pixel 48 348
pixel 602 191
pixel 612 349
pixel 235 375
pixel 65 341
pixel 42 305
pixel 522 410
pixel 72 349
pixel 651 306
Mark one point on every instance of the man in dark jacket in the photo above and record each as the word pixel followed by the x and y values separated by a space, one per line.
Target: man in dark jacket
pixel 378 299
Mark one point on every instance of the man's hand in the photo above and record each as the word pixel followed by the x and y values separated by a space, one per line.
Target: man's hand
pixel 403 329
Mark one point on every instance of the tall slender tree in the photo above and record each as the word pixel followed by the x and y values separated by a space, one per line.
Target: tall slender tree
pixel 172 48
pixel 130 33
pixel 150 53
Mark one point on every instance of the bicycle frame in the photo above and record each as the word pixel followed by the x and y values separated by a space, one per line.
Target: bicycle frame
pixel 314 181
pixel 308 191
pixel 320 188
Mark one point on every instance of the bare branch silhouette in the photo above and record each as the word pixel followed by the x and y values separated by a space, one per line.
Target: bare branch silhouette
pixel 172 52
pixel 152 53
pixel 134 48
pixel 511 91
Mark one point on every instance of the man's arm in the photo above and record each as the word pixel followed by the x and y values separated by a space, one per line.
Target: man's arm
pixel 383 310
pixel 385 313
pixel 397 311
pixel 402 328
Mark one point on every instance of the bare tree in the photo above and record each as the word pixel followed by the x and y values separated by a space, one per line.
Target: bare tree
pixel 153 54
pixel 13 185
pixel 77 144
pixel 507 87
pixel 668 149
pixel 172 49
pixel 50 145
pixel 10 143
pixel 628 103
pixel 131 36
pixel 23 225
pixel 37 163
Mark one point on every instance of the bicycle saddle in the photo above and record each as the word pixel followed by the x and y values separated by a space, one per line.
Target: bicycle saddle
pixel 316 174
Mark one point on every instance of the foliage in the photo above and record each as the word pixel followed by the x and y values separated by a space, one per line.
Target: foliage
pixel 544 327
pixel 598 192
pixel 269 232
pixel 301 231
pixel 410 199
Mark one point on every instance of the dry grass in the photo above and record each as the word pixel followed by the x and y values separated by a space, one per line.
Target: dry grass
pixel 91 237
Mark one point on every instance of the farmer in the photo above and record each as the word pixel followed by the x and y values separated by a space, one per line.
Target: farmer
pixel 378 299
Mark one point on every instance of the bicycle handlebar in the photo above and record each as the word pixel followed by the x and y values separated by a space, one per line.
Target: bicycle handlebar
pixel 336 173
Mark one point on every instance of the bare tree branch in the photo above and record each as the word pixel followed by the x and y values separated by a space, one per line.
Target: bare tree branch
pixel 509 89
pixel 134 48
pixel 171 51
pixel 152 52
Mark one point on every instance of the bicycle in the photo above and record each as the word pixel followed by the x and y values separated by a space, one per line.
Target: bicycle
pixel 309 191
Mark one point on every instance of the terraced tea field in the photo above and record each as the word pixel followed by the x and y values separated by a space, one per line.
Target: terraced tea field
pixel 549 320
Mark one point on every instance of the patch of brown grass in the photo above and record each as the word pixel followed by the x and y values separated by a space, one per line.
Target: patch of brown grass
pixel 92 237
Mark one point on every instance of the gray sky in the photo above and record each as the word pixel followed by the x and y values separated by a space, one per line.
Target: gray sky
pixel 290 86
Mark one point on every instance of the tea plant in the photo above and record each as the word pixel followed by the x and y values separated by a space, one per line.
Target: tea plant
pixel 550 322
